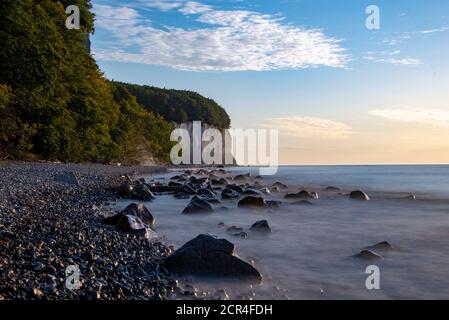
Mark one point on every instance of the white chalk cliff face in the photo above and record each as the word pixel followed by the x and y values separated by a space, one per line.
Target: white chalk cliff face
pixel 226 142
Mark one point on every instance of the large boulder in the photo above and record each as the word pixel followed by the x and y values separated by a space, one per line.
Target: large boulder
pixel 252 192
pixel 252 202
pixel 261 226
pixel 359 195
pixel 206 255
pixel 142 192
pixel 125 190
pixel 280 185
pixel 136 210
pixel 198 205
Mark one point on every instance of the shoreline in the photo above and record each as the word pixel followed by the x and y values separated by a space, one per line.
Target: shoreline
pixel 49 221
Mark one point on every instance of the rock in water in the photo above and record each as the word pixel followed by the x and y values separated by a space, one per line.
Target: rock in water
pixel 198 205
pixel 125 190
pixel 261 226
pixel 208 256
pixel 67 177
pixel 303 194
pixel 142 192
pixel 252 192
pixel 385 246
pixel 134 225
pixel 139 211
pixel 367 255
pixel 252 202
pixel 230 194
pixel 280 185
pixel 359 195
pixel 332 189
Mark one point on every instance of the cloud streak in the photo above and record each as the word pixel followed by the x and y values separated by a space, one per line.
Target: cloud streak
pixel 420 116
pixel 230 40
pixel 309 127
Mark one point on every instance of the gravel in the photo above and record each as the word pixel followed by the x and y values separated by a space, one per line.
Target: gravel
pixel 51 218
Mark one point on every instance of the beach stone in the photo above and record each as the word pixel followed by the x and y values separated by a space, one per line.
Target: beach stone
pixel 240 178
pixel 252 192
pixel 142 192
pixel 275 190
pixel 359 195
pixel 303 194
pixel 136 210
pixel 229 194
pixel 234 187
pixel 206 255
pixel 252 202
pixel 411 197
pixel 261 226
pixel 367 255
pixel 125 190
pixel 265 190
pixel 134 225
pixel 332 189
pixel 273 203
pixel 280 185
pixel 206 192
pixel 187 189
pixel 198 205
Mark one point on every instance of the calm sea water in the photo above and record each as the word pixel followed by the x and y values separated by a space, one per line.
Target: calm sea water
pixel 309 253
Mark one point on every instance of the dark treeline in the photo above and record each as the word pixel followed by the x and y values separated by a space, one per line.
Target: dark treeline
pixel 56 104
pixel 180 105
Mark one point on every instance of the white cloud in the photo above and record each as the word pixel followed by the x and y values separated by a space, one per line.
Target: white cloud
pixel 395 61
pixel 232 40
pixel 309 127
pixel 421 116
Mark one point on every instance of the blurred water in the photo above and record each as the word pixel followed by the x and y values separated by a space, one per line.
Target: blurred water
pixel 308 254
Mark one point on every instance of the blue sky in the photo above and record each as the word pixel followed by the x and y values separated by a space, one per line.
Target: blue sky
pixel 338 92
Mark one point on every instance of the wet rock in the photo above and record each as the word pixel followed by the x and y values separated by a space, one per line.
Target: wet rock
pixel 125 190
pixel 261 226
pixel 229 193
pixel 332 189
pixel 382 246
pixel 303 194
pixel 134 225
pixel 280 185
pixel 234 187
pixel 174 184
pixel 411 197
pixel 367 255
pixel 252 202
pixel 252 192
pixel 198 205
pixel 275 190
pixel 206 255
pixel 187 189
pixel 359 195
pixel 265 190
pixel 234 229
pixel 273 204
pixel 136 210
pixel 142 192
pixel 240 178
pixel 206 192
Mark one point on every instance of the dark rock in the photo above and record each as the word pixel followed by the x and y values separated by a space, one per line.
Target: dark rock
pixel 411 197
pixel 252 192
pixel 303 194
pixel 332 189
pixel 187 189
pixel 142 192
pixel 359 195
pixel 275 189
pixel 125 190
pixel 383 246
pixel 198 205
pixel 265 190
pixel 273 203
pixel 280 185
pixel 261 226
pixel 234 229
pixel 136 210
pixel 206 255
pixel 240 178
pixel 174 184
pixel 252 202
pixel 234 187
pixel 367 255
pixel 230 194
pixel 206 192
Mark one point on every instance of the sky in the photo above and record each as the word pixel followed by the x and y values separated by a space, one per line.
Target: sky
pixel 337 91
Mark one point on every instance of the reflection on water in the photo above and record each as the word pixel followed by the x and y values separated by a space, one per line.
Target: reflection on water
pixel 308 255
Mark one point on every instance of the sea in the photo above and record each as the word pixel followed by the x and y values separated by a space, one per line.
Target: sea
pixel 310 252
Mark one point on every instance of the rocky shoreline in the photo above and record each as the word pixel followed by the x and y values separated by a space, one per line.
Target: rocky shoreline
pixel 51 218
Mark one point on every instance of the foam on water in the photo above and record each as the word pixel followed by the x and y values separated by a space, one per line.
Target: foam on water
pixel 309 253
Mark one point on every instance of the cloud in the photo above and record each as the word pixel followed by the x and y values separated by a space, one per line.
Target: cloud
pixel 230 40
pixel 309 127
pixel 421 116
pixel 395 61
